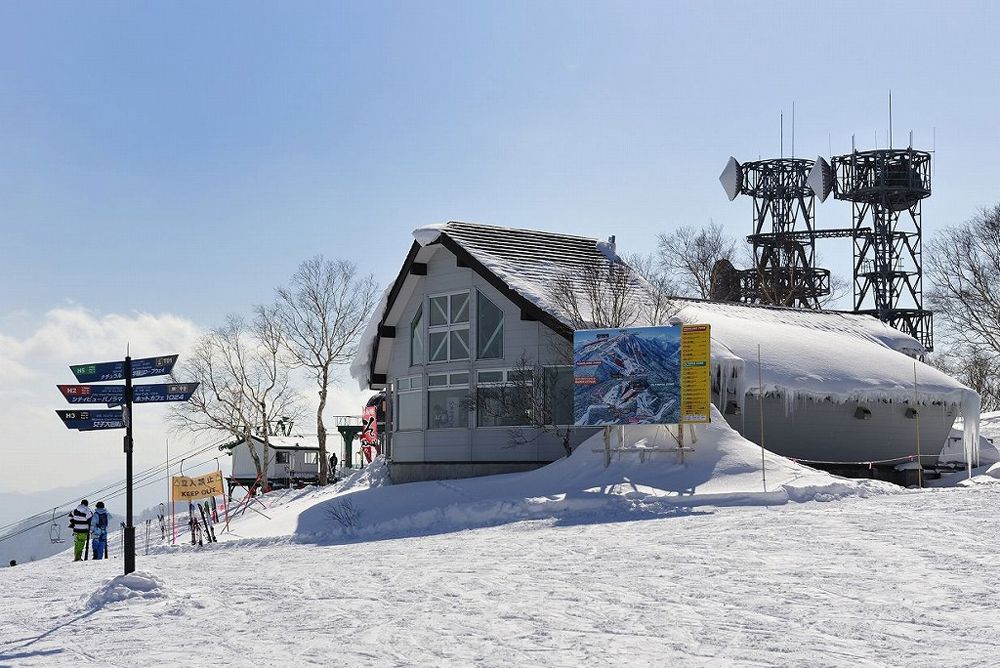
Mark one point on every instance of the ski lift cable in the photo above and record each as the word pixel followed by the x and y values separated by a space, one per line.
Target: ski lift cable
pixel 117 487
pixel 114 495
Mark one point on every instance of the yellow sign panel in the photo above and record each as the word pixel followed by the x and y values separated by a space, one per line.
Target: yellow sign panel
pixel 696 376
pixel 202 487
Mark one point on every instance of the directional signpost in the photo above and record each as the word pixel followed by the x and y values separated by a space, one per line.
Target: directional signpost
pixel 120 418
pixel 114 395
pixel 92 420
pixel 148 366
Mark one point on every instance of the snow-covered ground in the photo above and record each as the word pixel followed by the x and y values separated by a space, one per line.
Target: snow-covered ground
pixel 646 562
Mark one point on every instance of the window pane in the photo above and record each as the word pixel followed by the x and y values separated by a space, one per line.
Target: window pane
pixel 520 375
pixel 438 346
pixel 460 308
pixel 439 311
pixel 408 413
pixel 417 338
pixel 490 376
pixel 437 380
pixel 559 395
pixel 460 344
pixel 447 409
pixel 489 329
pixel 458 379
pixel 503 406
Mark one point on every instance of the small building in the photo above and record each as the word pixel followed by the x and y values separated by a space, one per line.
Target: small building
pixel 471 302
pixel 292 460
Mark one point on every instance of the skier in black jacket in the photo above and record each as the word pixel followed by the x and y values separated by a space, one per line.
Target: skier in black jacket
pixel 79 522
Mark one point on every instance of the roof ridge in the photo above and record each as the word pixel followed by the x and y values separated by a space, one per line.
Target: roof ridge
pixel 519 229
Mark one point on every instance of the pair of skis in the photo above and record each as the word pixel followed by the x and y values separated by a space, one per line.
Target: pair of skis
pixel 196 527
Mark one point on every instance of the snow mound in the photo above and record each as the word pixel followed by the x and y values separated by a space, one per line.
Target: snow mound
pixel 376 474
pixel 641 482
pixel 137 585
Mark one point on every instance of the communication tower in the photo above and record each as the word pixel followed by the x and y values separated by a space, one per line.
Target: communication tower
pixel 885 188
pixel 784 234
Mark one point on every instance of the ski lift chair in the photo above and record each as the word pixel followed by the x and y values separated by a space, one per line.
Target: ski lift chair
pixel 55 530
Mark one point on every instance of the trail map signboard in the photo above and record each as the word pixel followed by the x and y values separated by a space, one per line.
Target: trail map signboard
pixel 641 375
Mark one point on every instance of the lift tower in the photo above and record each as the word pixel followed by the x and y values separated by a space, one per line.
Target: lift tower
pixel 885 188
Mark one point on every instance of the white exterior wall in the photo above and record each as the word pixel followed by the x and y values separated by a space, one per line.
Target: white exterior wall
pixel 531 340
pixel 243 466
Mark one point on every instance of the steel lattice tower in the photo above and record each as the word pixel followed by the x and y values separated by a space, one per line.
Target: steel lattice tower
pixel 784 235
pixel 885 188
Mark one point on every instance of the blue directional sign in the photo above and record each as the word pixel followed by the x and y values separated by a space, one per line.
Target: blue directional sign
pixel 148 394
pixel 114 395
pixel 93 394
pixel 141 368
pixel 87 420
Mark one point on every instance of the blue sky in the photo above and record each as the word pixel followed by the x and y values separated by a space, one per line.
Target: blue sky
pixel 180 159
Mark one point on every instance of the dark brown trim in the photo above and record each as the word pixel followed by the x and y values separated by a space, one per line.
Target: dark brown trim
pixel 526 306
pixel 386 332
pixel 466 259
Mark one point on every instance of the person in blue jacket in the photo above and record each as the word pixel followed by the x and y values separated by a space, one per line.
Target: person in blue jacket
pixel 99 531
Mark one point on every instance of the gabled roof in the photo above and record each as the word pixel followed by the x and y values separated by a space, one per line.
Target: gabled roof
pixel 521 264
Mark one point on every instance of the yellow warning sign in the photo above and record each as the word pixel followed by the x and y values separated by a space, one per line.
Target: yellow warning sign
pixel 202 487
pixel 696 377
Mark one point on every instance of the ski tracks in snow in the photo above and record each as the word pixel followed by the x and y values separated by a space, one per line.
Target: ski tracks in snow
pixel 890 580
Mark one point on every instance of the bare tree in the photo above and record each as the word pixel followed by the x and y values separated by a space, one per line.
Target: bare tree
pixel 975 367
pixel 658 295
pixel 963 265
pixel 613 294
pixel 532 401
pixel 690 254
pixel 322 313
pixel 245 388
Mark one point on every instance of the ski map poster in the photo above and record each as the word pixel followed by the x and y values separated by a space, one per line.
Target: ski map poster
pixel 696 377
pixel 202 487
pixel 642 375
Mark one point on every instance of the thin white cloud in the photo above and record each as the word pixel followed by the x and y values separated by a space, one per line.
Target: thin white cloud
pixel 40 453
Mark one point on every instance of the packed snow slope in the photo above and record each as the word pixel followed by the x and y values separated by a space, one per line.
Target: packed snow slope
pixel 900 580
pixel 724 469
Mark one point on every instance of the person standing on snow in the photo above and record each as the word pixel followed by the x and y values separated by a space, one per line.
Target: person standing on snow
pixel 333 466
pixel 79 522
pixel 100 531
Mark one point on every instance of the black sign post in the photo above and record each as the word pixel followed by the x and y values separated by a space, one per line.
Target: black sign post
pixel 117 395
pixel 127 414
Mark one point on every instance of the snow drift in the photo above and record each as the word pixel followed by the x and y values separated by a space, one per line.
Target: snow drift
pixel 723 470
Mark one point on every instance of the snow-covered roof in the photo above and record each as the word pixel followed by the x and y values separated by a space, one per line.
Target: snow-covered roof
pixel 294 442
pixel 822 354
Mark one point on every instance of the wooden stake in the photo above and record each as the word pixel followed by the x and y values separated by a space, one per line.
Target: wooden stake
pixel 760 406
